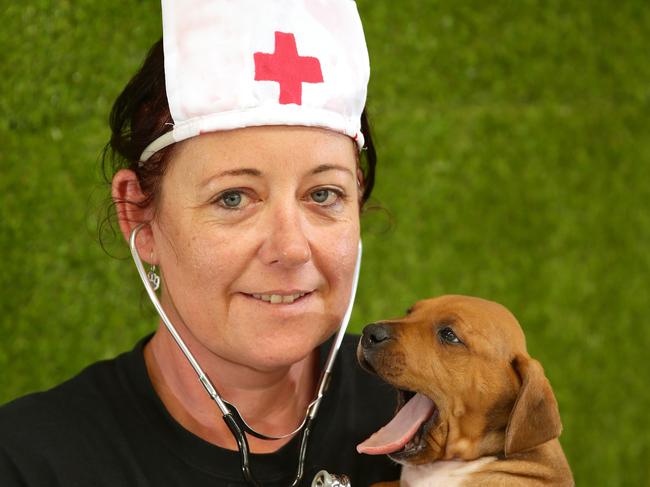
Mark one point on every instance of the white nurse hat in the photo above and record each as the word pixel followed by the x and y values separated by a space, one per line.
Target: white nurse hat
pixel 241 63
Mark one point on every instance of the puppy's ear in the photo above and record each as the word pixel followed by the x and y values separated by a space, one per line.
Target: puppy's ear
pixel 535 417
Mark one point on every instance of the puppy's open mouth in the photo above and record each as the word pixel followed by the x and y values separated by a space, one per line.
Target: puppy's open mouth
pixel 404 436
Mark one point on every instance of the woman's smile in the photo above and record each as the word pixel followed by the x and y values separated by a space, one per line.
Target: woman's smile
pixel 280 297
pixel 269 305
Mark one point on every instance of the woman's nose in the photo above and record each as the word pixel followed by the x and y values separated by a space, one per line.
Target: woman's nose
pixel 285 243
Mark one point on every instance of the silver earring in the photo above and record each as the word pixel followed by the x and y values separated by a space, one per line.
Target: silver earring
pixel 153 277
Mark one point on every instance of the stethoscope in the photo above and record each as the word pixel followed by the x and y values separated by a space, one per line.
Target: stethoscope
pixel 237 425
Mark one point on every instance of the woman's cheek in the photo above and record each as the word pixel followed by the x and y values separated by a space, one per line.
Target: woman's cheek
pixel 340 260
pixel 197 270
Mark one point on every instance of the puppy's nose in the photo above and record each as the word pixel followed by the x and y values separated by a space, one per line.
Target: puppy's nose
pixel 375 334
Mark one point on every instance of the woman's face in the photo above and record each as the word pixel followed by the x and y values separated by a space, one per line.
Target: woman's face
pixel 256 234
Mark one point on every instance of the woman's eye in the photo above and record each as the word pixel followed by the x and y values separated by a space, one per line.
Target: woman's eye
pixel 231 200
pixel 325 197
pixel 446 334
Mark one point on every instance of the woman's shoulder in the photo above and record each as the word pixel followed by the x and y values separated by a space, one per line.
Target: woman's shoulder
pixel 61 435
pixel 58 413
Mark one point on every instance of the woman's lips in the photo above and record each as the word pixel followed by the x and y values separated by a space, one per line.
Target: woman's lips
pixel 279 297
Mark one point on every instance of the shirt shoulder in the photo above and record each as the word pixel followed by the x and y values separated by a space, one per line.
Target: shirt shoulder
pixel 64 428
pixel 49 410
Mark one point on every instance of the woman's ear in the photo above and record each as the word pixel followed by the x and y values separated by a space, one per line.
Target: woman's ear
pixel 128 196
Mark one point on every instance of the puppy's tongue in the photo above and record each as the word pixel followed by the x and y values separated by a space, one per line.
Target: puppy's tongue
pixel 401 429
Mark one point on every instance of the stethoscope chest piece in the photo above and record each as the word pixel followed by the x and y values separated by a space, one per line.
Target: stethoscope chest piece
pixel 325 479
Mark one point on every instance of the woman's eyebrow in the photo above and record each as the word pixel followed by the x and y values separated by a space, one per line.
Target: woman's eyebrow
pixel 331 167
pixel 243 171
pixel 248 171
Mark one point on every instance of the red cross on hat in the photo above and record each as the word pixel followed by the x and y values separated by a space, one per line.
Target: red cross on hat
pixel 288 68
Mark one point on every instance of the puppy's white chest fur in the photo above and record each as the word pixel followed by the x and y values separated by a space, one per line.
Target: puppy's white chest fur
pixel 449 473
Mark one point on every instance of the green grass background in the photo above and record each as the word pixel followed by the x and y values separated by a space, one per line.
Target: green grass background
pixel 514 162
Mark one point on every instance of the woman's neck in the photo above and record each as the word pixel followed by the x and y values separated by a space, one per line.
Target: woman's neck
pixel 273 403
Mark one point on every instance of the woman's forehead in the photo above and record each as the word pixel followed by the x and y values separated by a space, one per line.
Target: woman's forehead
pixel 267 150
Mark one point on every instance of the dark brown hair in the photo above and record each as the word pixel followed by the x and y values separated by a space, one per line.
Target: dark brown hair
pixel 141 114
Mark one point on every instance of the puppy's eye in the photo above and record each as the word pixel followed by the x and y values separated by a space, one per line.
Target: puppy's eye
pixel 447 335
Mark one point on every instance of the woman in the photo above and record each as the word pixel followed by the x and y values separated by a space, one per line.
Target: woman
pixel 249 206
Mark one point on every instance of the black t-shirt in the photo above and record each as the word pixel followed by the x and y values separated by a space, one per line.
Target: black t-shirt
pixel 107 427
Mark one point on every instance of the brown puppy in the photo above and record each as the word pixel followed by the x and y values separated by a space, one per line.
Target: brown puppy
pixel 475 409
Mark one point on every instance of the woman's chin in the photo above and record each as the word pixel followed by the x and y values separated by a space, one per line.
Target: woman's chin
pixel 271 354
pixel 272 351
